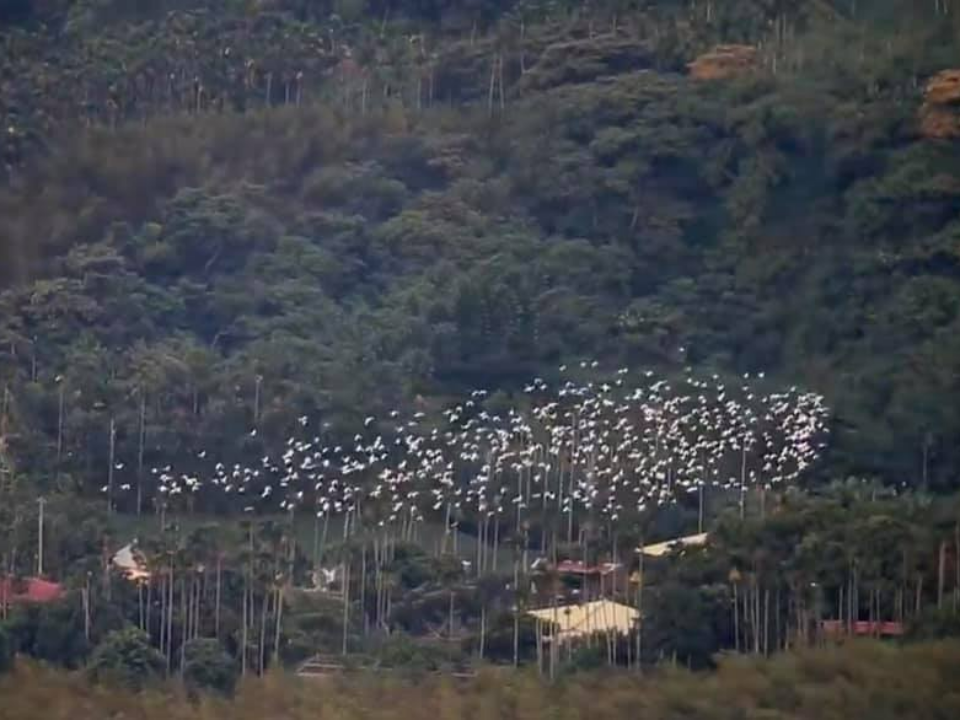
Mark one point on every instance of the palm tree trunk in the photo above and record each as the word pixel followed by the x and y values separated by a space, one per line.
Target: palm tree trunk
pixel 766 621
pixel 170 604
pixel 736 618
pixel 185 622
pixel 346 605
pixel 516 612
pixel 640 608
pixel 483 628
pixel 219 596
pixel 148 626
pixel 141 614
pixel 941 573
pixel 363 584
pixel 262 649
pixel 244 625
pixel 539 633
pixel 918 597
pixel 450 616
pixel 279 613
pixel 956 567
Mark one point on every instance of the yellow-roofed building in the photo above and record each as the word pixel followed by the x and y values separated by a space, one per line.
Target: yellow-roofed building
pixel 573 622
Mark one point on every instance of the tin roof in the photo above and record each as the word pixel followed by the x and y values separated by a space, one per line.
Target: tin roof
pixel 577 621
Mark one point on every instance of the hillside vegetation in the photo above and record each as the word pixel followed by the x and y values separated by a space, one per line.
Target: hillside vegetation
pixel 859 681
pixel 237 234
pixel 363 204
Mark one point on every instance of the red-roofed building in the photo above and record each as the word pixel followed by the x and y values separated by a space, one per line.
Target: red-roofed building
pixel 578 567
pixel 581 582
pixel 861 628
pixel 22 591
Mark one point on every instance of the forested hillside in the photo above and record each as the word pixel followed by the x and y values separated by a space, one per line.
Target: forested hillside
pixel 359 204
pixel 702 250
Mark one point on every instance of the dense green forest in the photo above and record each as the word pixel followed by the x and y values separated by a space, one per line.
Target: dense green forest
pixel 542 242
pixel 360 211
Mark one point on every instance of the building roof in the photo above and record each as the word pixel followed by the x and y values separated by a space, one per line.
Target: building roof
pixel 29 590
pixel 578 567
pixel 663 548
pixel 577 621
pixel 130 561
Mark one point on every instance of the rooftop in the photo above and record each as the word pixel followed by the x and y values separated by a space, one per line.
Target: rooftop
pixel 17 591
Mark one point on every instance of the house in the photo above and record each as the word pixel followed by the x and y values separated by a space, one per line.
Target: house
pixel 584 581
pixel 130 561
pixel 575 622
pixel 664 548
pixel 28 591
pixel 861 628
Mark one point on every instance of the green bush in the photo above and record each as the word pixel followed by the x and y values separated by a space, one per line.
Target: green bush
pixel 208 667
pixel 6 650
pixel 126 657
pixel 935 624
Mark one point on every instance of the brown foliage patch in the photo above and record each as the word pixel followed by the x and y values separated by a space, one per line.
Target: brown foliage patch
pixel 940 112
pixel 724 61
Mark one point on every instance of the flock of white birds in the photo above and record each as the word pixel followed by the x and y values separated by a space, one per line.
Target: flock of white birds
pixel 605 450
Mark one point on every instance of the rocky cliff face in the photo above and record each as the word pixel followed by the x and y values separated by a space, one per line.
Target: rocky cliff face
pixel 940 112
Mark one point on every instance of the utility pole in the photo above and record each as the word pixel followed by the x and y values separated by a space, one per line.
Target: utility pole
pixel 41 502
